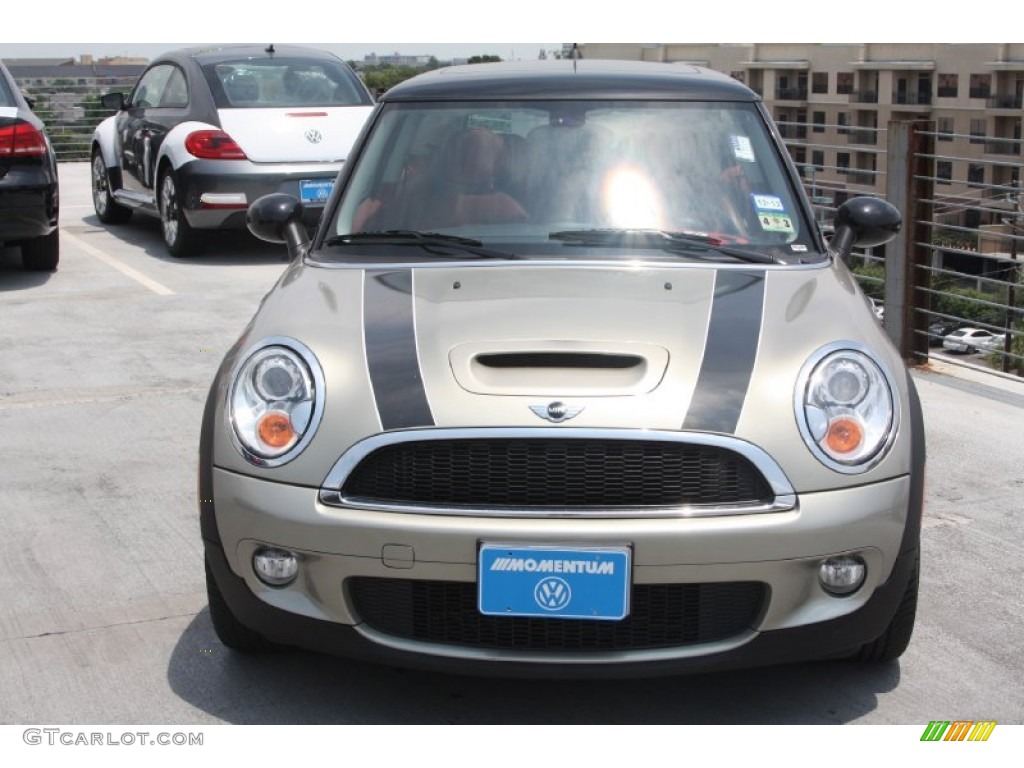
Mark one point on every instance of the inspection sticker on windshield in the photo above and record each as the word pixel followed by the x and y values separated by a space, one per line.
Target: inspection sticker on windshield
pixel 742 148
pixel 315 190
pixel 554 582
pixel 772 213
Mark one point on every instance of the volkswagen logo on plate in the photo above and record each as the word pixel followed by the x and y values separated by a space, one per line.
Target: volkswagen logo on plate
pixel 552 594
pixel 313 136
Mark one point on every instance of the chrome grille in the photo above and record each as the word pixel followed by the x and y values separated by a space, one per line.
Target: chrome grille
pixel 556 473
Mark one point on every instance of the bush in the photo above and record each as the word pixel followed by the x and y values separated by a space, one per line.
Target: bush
pixel 872 279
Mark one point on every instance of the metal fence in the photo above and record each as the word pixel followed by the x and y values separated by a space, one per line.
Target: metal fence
pixel 72 112
pixel 956 262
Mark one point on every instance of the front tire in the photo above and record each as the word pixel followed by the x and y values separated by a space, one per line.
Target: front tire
pixel 230 631
pixel 41 254
pixel 894 641
pixel 180 238
pixel 107 211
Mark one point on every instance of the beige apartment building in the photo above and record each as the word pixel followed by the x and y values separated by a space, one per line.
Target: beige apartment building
pixel 834 102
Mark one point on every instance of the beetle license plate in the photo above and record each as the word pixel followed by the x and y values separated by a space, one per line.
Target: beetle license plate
pixel 554 582
pixel 315 190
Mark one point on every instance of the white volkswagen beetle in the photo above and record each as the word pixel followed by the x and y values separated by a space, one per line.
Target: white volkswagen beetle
pixel 206 131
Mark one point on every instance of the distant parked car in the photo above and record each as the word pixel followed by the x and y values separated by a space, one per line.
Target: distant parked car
pixel 994 344
pixel 207 131
pixel 968 340
pixel 939 330
pixel 29 187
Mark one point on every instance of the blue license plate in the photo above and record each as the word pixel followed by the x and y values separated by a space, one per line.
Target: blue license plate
pixel 315 190
pixel 554 582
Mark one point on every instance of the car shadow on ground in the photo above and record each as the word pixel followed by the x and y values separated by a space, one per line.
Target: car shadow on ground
pixel 223 247
pixel 13 276
pixel 294 687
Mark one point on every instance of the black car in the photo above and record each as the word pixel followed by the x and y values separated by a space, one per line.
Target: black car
pixel 939 330
pixel 29 189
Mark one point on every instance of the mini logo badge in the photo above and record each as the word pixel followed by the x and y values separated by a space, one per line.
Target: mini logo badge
pixel 557 411
pixel 552 594
pixel 313 136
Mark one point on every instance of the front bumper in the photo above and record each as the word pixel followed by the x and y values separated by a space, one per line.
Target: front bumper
pixel 217 193
pixel 782 551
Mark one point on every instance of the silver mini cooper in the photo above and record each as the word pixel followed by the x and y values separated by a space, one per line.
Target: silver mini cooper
pixel 568 382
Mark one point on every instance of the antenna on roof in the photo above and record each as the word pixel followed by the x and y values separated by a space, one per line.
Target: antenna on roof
pixel 270 49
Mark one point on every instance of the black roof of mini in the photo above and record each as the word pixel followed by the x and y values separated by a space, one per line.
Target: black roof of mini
pixel 571 79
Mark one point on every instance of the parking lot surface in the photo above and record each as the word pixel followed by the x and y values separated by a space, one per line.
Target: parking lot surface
pixel 104 367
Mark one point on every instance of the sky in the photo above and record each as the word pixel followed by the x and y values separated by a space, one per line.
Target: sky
pixel 462 28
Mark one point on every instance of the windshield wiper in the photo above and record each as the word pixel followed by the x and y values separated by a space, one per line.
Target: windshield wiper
pixel 672 242
pixel 432 242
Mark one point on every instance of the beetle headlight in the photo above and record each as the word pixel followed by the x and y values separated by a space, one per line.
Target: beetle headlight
pixel 846 408
pixel 275 401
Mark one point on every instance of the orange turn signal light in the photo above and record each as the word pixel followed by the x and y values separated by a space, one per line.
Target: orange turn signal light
pixel 275 429
pixel 844 435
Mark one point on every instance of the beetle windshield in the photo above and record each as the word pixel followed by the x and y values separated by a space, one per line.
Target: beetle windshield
pixel 527 172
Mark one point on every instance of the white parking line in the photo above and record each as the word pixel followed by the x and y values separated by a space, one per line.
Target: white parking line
pixel 134 274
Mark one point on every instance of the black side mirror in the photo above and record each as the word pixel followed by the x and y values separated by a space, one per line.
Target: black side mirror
pixel 113 101
pixel 277 218
pixel 864 222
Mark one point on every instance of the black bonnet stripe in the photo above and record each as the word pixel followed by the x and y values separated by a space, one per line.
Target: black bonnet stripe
pixel 391 355
pixel 733 337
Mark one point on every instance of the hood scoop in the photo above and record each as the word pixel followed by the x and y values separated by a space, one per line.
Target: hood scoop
pixel 558 368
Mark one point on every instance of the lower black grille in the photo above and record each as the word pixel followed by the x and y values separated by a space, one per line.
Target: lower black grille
pixel 556 473
pixel 661 616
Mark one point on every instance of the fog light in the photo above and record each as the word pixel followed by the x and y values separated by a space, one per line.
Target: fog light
pixel 275 567
pixel 842 575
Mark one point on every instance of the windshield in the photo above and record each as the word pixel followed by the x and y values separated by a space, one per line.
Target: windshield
pixel 544 177
pixel 283 82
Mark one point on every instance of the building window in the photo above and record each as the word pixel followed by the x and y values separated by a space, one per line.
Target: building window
pixel 819 122
pixel 944 171
pixel 843 162
pixel 975 175
pixel 949 86
pixel 818 159
pixel 844 122
pixel 819 82
pixel 947 127
pixel 799 156
pixel 978 131
pixel 981 86
pixel 844 82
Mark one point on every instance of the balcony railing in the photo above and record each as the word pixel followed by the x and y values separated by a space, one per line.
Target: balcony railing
pixel 1004 101
pixel 864 97
pixel 791 94
pixel 911 98
pixel 859 176
pixel 1002 147
pixel 867 136
pixel 792 130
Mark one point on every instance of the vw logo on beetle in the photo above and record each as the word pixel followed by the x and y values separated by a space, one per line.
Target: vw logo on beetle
pixel 313 136
pixel 552 594
pixel 557 411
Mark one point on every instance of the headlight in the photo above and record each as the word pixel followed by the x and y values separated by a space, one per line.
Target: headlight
pixel 275 401
pixel 846 408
